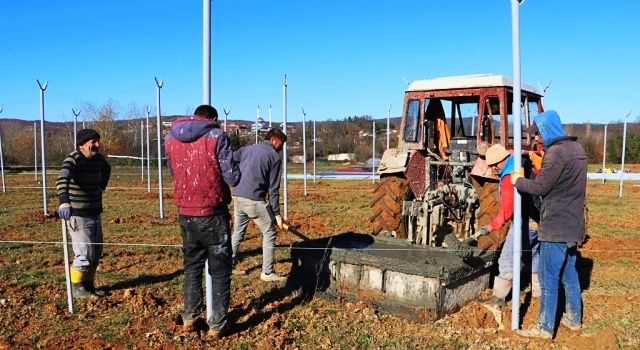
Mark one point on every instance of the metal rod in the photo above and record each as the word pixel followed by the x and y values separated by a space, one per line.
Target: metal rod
pixel 604 153
pixel 148 154
pixel 304 149
pixel 388 129
pixel 314 151
pixel 42 148
pixel 517 150
pixel 141 150
pixel 206 99
pixel 226 114
pixel 284 150
pixel 1 158
pixel 67 271
pixel 269 116
pixel 256 124
pixel 624 143
pixel 158 126
pixel 373 153
pixel 35 151
pixel 75 127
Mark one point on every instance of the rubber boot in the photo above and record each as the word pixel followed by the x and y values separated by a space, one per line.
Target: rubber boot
pixel 535 286
pixel 501 289
pixel 77 284
pixel 89 283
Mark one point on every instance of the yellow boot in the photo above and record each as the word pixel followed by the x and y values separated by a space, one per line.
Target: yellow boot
pixel 77 284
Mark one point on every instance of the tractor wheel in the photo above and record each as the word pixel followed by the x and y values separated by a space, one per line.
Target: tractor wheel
pixel 489 194
pixel 388 196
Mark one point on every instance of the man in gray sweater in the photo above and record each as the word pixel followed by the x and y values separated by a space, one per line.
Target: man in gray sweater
pixel 260 166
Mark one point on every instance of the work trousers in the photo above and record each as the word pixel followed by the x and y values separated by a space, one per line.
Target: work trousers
pixel 259 211
pixel 530 253
pixel 558 264
pixel 206 238
pixel 86 240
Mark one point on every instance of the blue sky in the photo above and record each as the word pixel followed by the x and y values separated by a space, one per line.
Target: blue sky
pixel 342 57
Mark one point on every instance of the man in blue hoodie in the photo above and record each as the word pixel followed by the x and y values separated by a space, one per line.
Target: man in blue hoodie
pixel 260 167
pixel 201 162
pixel 562 185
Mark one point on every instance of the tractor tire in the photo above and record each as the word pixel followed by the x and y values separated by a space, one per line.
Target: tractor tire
pixel 386 206
pixel 489 194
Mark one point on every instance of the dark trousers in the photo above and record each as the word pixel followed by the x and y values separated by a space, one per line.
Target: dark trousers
pixel 206 238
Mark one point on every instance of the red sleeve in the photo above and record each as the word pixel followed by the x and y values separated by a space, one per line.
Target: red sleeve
pixel 506 204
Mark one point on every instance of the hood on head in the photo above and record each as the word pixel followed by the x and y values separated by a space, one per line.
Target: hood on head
pixel 191 128
pixel 549 127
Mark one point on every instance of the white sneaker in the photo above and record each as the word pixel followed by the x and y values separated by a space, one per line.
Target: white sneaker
pixel 272 277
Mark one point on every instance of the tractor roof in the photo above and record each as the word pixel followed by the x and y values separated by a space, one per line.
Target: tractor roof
pixel 467 82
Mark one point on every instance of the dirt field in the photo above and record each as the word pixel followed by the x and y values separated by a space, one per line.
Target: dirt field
pixel 142 269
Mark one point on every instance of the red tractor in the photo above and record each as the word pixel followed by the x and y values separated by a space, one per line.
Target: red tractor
pixel 436 181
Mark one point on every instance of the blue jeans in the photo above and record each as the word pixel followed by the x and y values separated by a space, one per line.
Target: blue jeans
pixel 530 254
pixel 259 211
pixel 558 264
pixel 206 238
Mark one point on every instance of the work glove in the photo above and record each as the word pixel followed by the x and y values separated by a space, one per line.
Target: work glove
pixel 64 212
pixel 516 175
pixel 279 221
pixel 536 159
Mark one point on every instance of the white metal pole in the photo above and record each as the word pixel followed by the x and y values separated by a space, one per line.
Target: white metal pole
pixel 314 151
pixel 517 150
pixel 256 124
pixel 35 151
pixel 158 126
pixel 473 125
pixel 304 150
pixel 604 153
pixel 388 130
pixel 206 99
pixel 269 116
pixel 624 143
pixel 148 153
pixel 284 150
pixel 141 150
pixel 226 114
pixel 2 159
pixel 75 127
pixel 42 148
pixel 373 153
pixel 67 271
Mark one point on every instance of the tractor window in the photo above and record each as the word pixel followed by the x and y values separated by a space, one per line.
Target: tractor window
pixel 412 121
pixel 465 114
pixel 523 118
pixel 490 131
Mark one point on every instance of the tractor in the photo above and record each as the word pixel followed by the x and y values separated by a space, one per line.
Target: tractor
pixel 436 182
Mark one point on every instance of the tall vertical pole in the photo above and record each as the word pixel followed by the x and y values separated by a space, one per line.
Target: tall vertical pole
pixel 373 153
pixel 473 125
pixel 75 127
pixel 148 153
pixel 388 129
pixel 304 150
pixel 256 124
pixel 517 150
pixel 314 151
pixel 2 159
pixel 67 270
pixel 284 150
pixel 604 153
pixel 42 148
pixel 269 116
pixel 141 150
pixel 206 99
pixel 158 126
pixel 624 144
pixel 226 114
pixel 35 151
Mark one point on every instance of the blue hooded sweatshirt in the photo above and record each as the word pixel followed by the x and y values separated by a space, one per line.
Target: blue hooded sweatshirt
pixel 549 127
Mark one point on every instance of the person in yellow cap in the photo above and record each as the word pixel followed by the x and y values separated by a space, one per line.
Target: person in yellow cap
pixel 498 158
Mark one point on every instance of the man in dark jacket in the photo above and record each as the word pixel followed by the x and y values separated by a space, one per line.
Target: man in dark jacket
pixel 260 166
pixel 562 185
pixel 201 161
pixel 84 176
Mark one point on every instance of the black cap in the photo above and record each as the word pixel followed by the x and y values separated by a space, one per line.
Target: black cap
pixel 532 129
pixel 85 135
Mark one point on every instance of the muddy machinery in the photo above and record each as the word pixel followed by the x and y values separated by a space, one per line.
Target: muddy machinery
pixel 436 182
